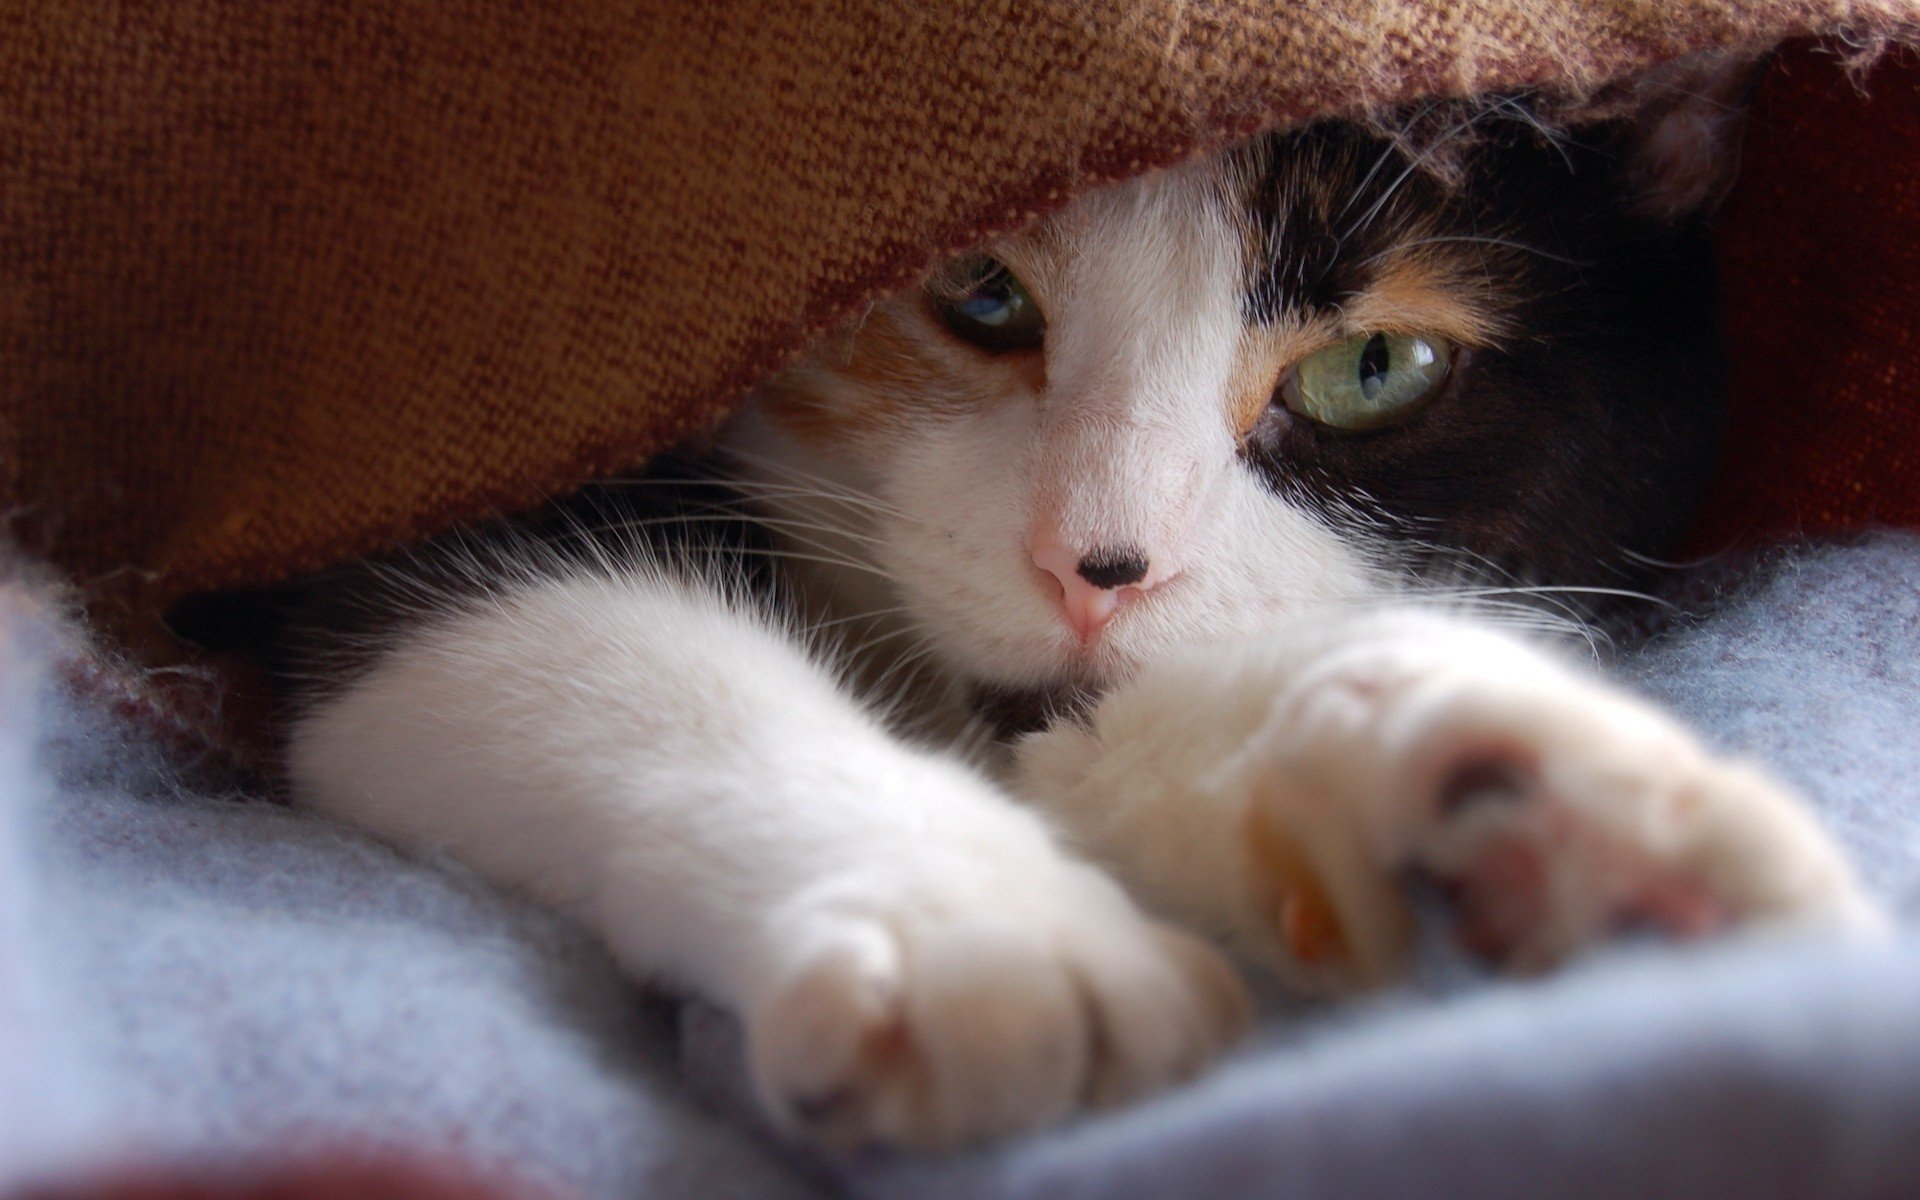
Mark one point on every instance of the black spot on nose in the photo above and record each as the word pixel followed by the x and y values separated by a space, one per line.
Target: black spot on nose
pixel 1113 568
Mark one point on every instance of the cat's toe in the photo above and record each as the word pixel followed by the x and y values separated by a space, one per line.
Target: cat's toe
pixel 1526 888
pixel 877 1044
pixel 1553 811
pixel 1591 817
pixel 935 1021
pixel 1160 1008
pixel 831 1050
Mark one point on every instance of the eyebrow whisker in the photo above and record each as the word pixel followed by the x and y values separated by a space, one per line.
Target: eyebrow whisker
pixel 1439 239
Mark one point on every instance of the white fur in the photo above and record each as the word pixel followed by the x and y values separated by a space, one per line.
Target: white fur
pixel 1130 443
pixel 916 957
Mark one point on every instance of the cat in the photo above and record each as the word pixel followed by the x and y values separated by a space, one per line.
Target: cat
pixel 1207 492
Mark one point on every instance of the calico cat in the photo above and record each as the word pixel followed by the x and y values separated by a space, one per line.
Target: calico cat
pixel 1217 483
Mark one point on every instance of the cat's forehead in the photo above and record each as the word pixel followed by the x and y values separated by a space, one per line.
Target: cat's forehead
pixel 1325 226
pixel 1318 235
pixel 1171 227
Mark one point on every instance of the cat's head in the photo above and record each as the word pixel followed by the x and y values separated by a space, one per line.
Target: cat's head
pixel 1304 372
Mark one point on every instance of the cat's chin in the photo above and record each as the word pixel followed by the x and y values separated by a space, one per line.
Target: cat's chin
pixel 1014 692
pixel 1011 711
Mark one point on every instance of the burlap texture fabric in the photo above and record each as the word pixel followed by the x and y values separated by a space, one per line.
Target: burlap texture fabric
pixel 286 282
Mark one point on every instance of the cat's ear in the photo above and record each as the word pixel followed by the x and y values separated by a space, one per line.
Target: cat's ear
pixel 1680 126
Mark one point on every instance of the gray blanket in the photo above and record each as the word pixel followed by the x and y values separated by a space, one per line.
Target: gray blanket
pixel 188 974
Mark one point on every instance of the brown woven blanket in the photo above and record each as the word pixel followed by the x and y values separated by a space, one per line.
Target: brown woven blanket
pixel 284 282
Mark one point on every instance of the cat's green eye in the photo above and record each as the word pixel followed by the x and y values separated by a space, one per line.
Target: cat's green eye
pixel 1369 381
pixel 983 302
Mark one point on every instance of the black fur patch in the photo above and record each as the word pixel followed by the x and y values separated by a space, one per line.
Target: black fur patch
pixel 1585 433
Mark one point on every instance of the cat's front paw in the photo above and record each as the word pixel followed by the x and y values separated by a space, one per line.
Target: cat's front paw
pixel 933 1003
pixel 1553 810
pixel 1282 792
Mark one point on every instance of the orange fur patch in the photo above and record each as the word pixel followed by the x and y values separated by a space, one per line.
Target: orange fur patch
pixel 1422 293
pixel 899 365
pixel 1303 910
pixel 1411 294
pixel 1265 354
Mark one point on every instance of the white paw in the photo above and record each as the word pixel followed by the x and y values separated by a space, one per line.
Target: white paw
pixel 940 1001
pixel 1553 810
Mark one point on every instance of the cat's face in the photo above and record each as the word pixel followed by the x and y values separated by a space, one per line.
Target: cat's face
pixel 1303 373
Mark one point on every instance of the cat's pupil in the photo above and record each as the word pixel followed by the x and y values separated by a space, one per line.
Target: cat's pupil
pixel 1374 361
pixel 983 302
pixel 991 300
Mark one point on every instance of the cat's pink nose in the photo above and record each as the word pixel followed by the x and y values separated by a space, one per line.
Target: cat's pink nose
pixel 1096 584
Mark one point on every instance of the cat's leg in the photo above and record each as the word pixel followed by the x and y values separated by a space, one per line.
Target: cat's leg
pixel 1279 793
pixel 914 957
